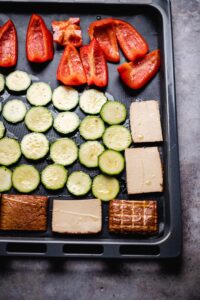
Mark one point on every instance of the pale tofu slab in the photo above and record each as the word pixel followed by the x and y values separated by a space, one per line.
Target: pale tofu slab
pixel 143 170
pixel 145 122
pixel 77 216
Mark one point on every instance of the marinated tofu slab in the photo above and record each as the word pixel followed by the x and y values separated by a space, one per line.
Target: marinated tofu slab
pixel 77 216
pixel 143 170
pixel 145 122
pixel 23 212
pixel 133 216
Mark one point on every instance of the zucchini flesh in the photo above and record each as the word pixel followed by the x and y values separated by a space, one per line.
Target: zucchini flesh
pixel 89 153
pixel 34 145
pixel 64 151
pixel 79 183
pixel 2 129
pixel 14 111
pixel 54 177
pixel 92 128
pixel 5 179
pixel 117 137
pixel 18 81
pixel 10 151
pixel 66 122
pixel 111 162
pixel 39 94
pixel 105 187
pixel 65 98
pixel 38 119
pixel 25 178
pixel 91 101
pixel 2 82
pixel 113 112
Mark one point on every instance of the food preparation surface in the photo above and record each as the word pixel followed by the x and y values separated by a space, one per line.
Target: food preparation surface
pixel 146 280
pixel 149 23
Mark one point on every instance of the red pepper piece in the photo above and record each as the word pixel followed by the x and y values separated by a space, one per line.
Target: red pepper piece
pixel 137 74
pixel 39 41
pixel 66 32
pixel 8 45
pixel 94 64
pixel 104 32
pixel 131 42
pixel 70 70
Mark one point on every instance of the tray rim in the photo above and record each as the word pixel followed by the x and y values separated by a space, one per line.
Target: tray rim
pixel 170 237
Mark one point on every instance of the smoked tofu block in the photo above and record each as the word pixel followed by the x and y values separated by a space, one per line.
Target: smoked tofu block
pixel 77 216
pixel 145 122
pixel 143 170
pixel 133 216
pixel 23 212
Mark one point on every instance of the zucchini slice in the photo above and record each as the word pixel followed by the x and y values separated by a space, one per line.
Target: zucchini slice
pixel 38 119
pixel 5 179
pixel 92 128
pixel 54 177
pixel 2 129
pixel 2 82
pixel 10 151
pixel 25 178
pixel 89 153
pixel 14 111
pixel 65 98
pixel 34 145
pixel 66 122
pixel 117 137
pixel 111 162
pixel 39 94
pixel 91 101
pixel 113 112
pixel 105 187
pixel 18 81
pixel 64 151
pixel 79 183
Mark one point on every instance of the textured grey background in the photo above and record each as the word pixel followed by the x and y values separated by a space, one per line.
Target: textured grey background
pixel 22 279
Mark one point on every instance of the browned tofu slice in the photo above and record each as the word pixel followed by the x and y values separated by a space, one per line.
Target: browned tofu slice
pixel 143 170
pixel 145 122
pixel 23 212
pixel 77 216
pixel 133 216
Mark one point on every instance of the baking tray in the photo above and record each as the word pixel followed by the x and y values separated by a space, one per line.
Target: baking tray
pixel 153 19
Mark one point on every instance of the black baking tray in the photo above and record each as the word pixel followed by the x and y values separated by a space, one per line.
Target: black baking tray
pixel 153 19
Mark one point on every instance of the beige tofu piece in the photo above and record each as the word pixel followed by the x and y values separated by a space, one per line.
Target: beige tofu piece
pixel 145 122
pixel 143 170
pixel 77 216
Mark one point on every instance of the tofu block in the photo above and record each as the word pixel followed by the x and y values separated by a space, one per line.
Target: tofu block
pixel 23 212
pixel 133 216
pixel 77 216
pixel 143 170
pixel 145 122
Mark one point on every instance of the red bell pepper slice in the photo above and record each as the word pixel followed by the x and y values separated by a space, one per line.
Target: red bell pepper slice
pixel 66 32
pixel 70 69
pixel 8 45
pixel 94 64
pixel 137 74
pixel 39 41
pixel 104 32
pixel 131 42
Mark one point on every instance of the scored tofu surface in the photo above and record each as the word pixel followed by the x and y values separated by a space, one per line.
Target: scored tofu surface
pixel 77 216
pixel 143 170
pixel 145 122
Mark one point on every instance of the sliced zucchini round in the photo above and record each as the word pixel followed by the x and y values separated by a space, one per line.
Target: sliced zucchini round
pixel 64 151
pixel 117 137
pixel 5 179
pixel 34 145
pixel 10 151
pixel 66 122
pixel 65 98
pixel 2 82
pixel 105 187
pixel 18 81
pixel 54 177
pixel 25 178
pixel 91 101
pixel 113 112
pixel 111 162
pixel 2 129
pixel 39 94
pixel 14 111
pixel 92 128
pixel 79 183
pixel 38 119
pixel 89 153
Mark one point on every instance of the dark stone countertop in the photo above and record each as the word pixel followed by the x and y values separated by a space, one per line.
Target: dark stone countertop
pixel 31 278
